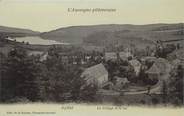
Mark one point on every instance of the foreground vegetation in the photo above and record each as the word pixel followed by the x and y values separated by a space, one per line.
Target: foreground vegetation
pixel 25 78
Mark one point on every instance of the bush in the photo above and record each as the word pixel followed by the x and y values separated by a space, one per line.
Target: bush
pixel 155 101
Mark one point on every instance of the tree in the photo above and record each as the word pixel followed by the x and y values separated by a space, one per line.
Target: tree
pixel 164 92
pixel 61 82
pixel 175 87
pixel 2 59
pixel 88 93
pixel 20 75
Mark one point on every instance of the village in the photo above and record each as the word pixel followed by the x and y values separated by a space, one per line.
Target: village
pixel 122 73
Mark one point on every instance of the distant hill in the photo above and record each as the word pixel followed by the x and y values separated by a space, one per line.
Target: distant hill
pixel 105 34
pixel 16 32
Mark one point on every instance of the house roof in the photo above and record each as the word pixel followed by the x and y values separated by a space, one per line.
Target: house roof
pixel 176 62
pixel 113 55
pixel 160 66
pixel 110 55
pixel 95 71
pixel 124 55
pixel 153 70
pixel 124 80
pixel 44 56
pixel 34 53
pixel 149 58
pixel 135 62
pixel 180 53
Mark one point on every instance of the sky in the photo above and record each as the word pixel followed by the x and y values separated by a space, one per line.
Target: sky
pixel 46 15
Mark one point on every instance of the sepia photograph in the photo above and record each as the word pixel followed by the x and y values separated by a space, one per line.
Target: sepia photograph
pixel 92 52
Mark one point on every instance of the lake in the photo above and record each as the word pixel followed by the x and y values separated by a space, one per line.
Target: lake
pixel 36 40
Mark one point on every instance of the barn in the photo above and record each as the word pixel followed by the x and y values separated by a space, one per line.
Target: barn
pixel 96 75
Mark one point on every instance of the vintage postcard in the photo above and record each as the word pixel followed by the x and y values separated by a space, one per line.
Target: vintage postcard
pixel 91 57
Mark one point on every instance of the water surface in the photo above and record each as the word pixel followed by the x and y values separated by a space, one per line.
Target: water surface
pixel 35 40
